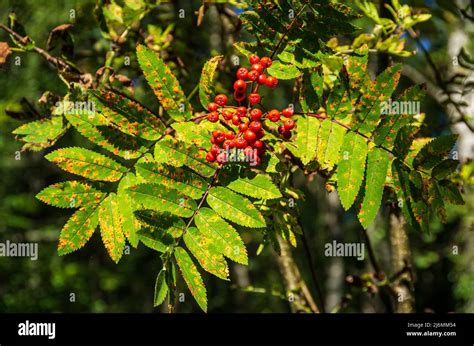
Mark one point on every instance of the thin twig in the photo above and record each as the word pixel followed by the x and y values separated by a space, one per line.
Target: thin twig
pixel 58 62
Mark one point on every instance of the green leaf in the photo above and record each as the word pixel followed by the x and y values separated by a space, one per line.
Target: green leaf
pixel 130 223
pixel 164 84
pixel 434 152
pixel 110 219
pixel 369 109
pixel 206 83
pixel 129 116
pixel 435 200
pixel 394 119
pixel 235 208
pixel 177 154
pixel 404 140
pixel 162 222
pixel 356 67
pixel 340 103
pixel 155 197
pixel 309 100
pixel 350 170
pixel 317 82
pixel 87 163
pixel 223 236
pixel 197 134
pixel 97 129
pixel 283 71
pixel 188 183
pixel 191 276
pixel 260 186
pixel 206 253
pixel 329 142
pixel 377 167
pixel 157 241
pixel 161 289
pixel 450 192
pixel 78 229
pixel 304 145
pixel 413 210
pixel 70 194
pixel 42 133
pixel 444 169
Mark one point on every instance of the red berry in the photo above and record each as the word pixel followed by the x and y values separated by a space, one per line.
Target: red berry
pixel 289 124
pixel 266 61
pixel 213 140
pixel 242 73
pixel 220 138
pixel 227 114
pixel 210 157
pixel 287 112
pixel 255 126
pixel 241 111
pixel 260 134
pixel 271 82
pixel 254 59
pixel 250 136
pixel 240 85
pixel 262 79
pixel 217 133
pixel 215 149
pixel 253 75
pixel 274 115
pixel 221 99
pixel 286 134
pixel 230 135
pixel 228 144
pixel 243 127
pixel 235 120
pixel 212 107
pixel 213 117
pixel 256 114
pixel 281 129
pixel 239 96
pixel 240 142
pixel 254 98
pixel 222 158
pixel 257 68
pixel 258 144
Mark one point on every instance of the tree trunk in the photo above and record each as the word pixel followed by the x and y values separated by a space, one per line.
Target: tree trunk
pixel 297 291
pixel 401 265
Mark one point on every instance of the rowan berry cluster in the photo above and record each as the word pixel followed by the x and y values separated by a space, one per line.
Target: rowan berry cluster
pixel 246 122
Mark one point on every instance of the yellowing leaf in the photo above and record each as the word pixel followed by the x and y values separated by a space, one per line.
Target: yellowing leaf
pixel 87 163
pixel 191 276
pixel 111 227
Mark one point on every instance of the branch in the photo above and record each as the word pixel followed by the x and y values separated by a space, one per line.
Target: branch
pixel 58 62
